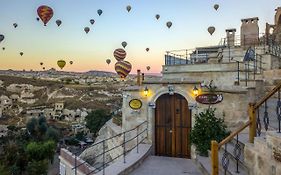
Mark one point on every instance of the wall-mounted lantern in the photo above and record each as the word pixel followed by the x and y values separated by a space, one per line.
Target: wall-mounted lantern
pixel 145 91
pixel 195 91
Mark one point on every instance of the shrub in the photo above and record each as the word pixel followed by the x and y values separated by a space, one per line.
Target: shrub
pixel 207 128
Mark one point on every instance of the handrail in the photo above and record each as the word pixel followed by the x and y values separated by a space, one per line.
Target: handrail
pixel 233 134
pixel 272 92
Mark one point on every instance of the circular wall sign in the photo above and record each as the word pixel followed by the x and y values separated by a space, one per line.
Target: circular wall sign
pixel 135 104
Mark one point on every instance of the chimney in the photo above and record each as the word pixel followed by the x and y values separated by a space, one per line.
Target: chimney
pixel 138 77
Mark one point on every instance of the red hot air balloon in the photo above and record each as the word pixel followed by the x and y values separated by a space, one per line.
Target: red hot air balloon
pixel 119 54
pixel 45 13
pixel 123 68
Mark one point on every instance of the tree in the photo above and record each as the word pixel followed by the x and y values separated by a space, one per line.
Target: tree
pixel 37 167
pixel 40 151
pixel 207 128
pixel 96 119
pixel 52 134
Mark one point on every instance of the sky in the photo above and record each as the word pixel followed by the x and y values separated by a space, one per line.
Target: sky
pixel 139 28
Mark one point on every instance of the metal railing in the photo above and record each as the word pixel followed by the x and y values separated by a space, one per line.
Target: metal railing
pixel 255 129
pixel 250 69
pixel 127 144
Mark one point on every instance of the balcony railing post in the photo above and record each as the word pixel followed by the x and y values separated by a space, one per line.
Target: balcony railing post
pixel 215 157
pixel 238 72
pixel 124 147
pixel 103 157
pixel 75 163
pixel 138 139
pixel 253 124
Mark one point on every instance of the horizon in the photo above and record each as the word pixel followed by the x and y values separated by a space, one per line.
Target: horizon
pixel 138 28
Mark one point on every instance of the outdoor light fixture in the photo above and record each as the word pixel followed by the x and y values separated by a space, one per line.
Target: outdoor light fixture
pixel 195 91
pixel 145 91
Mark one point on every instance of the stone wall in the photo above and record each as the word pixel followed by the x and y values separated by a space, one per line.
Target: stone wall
pixel 259 157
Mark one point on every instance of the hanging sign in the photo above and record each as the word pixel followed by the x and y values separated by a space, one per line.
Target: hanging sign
pixel 135 104
pixel 209 99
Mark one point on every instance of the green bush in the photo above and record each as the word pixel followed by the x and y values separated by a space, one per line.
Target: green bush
pixel 207 128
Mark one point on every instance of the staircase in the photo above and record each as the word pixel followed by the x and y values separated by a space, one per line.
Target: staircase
pixel 250 149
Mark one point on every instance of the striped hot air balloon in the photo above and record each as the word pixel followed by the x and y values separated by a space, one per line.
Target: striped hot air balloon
pixel 45 13
pixel 123 68
pixel 119 54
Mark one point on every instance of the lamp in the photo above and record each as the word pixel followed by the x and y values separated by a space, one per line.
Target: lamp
pixel 195 91
pixel 145 91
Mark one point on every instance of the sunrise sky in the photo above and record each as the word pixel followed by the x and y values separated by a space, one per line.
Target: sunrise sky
pixel 139 29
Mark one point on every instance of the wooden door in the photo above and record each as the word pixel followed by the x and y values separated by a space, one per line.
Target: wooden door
pixel 172 126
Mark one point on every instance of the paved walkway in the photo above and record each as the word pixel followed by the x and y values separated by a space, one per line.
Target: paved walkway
pixel 155 165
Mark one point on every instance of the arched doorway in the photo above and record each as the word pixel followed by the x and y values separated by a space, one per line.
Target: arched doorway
pixel 172 126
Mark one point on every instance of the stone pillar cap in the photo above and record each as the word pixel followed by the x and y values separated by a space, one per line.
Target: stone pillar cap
pixel 250 19
pixel 230 30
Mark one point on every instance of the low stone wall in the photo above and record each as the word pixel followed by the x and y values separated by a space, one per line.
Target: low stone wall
pixel 67 162
pixel 259 157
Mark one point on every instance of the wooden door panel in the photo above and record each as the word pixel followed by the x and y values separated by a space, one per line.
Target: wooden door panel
pixel 172 126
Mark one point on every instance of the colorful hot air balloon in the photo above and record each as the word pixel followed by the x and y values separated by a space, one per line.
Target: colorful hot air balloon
pixel 147 49
pixel 58 22
pixel 216 6
pixel 119 54
pixel 61 63
pixel 99 12
pixel 169 24
pixel 128 8
pixel 108 61
pixel 211 30
pixel 123 68
pixel 21 53
pixel 15 25
pixel 87 29
pixel 45 13
pixel 41 63
pixel 147 68
pixel 92 21
pixel 124 44
pixel 70 62
pixel 157 16
pixel 2 37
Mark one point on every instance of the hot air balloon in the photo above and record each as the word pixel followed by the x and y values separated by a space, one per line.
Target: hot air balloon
pixel 87 29
pixel 128 8
pixel 61 63
pixel 41 63
pixel 15 25
pixel 119 54
pixel 92 21
pixel 2 37
pixel 169 24
pixel 70 62
pixel 44 68
pixel 21 53
pixel 45 13
pixel 123 68
pixel 3 48
pixel 147 49
pixel 124 44
pixel 147 68
pixel 216 6
pixel 58 22
pixel 37 19
pixel 211 30
pixel 157 16
pixel 108 61
pixel 99 12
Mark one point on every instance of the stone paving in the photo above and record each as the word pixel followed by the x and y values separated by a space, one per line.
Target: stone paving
pixel 154 165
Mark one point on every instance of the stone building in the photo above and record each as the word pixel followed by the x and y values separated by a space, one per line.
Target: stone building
pixel 168 104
